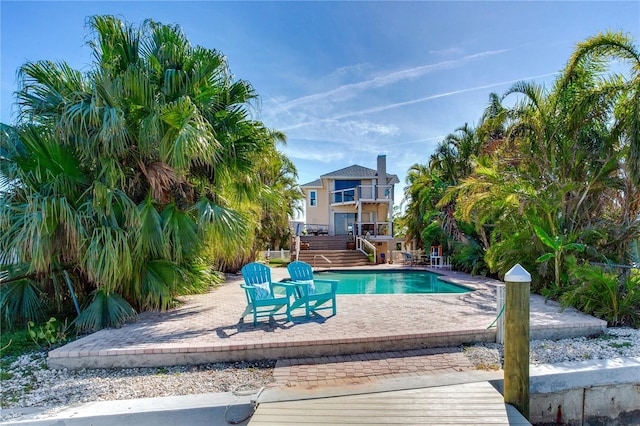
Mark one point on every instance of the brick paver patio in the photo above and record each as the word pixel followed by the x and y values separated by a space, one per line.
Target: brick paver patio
pixel 207 328
pixel 308 373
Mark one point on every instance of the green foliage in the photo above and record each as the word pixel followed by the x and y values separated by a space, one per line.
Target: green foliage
pixel 516 247
pixel 135 177
pixel 104 310
pixel 605 295
pixel 559 247
pixel 16 342
pixel 469 258
pixel 50 334
pixel 20 302
pixel 433 234
pixel 552 176
pixel 278 263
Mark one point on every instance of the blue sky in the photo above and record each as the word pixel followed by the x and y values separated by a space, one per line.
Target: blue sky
pixel 345 81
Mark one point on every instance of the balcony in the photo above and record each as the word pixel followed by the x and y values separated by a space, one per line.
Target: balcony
pixel 375 230
pixel 370 230
pixel 362 193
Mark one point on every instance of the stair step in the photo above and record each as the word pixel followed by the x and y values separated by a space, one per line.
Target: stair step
pixel 338 258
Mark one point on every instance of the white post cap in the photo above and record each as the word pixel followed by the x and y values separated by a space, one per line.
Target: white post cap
pixel 517 274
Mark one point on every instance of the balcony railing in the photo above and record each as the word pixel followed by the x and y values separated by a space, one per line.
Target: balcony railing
pixel 362 192
pixel 316 229
pixel 374 229
pixel 364 229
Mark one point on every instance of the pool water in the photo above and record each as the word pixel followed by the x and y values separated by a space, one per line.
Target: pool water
pixel 389 282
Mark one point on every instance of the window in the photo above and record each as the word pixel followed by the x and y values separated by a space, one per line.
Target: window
pixel 346 190
pixel 313 198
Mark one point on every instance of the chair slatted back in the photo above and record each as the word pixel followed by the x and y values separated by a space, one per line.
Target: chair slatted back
pixel 300 271
pixel 257 273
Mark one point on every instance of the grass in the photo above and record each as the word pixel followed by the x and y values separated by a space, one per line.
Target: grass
pixel 278 263
pixel 620 345
pixel 17 342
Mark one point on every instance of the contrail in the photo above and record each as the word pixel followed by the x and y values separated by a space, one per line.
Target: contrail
pixel 440 95
pixel 390 78
pixel 415 101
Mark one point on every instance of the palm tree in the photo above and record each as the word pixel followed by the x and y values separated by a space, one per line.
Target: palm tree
pixel 158 136
pixel 595 54
pixel 279 202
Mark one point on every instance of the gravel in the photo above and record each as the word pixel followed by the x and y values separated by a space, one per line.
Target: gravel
pixel 614 343
pixel 27 382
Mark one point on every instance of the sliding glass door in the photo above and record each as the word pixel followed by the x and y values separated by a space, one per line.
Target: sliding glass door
pixel 344 223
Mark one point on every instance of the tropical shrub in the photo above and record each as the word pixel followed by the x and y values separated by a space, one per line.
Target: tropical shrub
pixel 50 334
pixel 469 258
pixel 117 181
pixel 604 294
pixel 551 177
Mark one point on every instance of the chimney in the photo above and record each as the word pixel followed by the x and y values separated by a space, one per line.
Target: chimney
pixel 382 169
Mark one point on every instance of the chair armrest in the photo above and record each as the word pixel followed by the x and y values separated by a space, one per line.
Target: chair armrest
pixel 333 283
pixel 249 292
pixel 289 287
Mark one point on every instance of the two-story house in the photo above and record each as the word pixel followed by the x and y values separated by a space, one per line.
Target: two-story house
pixel 355 200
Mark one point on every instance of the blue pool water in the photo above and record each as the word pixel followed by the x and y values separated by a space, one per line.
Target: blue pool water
pixel 389 282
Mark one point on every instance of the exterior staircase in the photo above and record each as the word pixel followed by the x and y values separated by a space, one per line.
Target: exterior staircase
pixel 333 249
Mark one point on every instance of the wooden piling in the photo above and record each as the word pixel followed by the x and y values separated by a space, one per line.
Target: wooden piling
pixel 516 339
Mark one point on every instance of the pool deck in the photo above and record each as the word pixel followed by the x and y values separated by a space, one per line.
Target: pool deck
pixel 207 328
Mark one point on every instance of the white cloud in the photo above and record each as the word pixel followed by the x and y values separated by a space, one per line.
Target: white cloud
pixel 336 130
pixel 307 152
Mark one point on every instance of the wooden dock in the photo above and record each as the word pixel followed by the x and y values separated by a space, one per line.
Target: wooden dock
pixel 464 404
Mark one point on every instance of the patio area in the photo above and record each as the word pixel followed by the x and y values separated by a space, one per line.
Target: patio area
pixel 207 328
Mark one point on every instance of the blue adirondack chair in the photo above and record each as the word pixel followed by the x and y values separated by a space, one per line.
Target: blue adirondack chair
pixel 259 290
pixel 313 294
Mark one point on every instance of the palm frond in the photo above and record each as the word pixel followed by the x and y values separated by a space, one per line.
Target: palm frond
pixel 225 222
pixel 151 242
pixel 104 310
pixel 107 258
pixel 181 231
pixel 20 302
pixel 159 282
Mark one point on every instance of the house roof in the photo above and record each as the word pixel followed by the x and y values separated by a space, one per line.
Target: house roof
pixel 356 171
pixel 350 172
pixel 313 184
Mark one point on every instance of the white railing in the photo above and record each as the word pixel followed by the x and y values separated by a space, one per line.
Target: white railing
pixel 383 192
pixel 321 257
pixel 366 192
pixel 361 192
pixel 376 228
pixel 315 229
pixel 342 196
pixel 275 254
pixel 398 256
pixel 361 243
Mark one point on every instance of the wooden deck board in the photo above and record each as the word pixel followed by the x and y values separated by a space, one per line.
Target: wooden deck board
pixel 472 403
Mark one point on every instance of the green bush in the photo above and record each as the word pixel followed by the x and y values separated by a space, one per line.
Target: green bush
pixel 16 342
pixel 50 334
pixel 469 258
pixel 605 295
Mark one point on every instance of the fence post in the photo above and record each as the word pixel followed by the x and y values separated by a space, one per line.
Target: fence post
pixel 516 339
pixel 500 296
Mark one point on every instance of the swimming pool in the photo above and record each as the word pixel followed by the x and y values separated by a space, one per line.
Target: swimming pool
pixel 390 282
